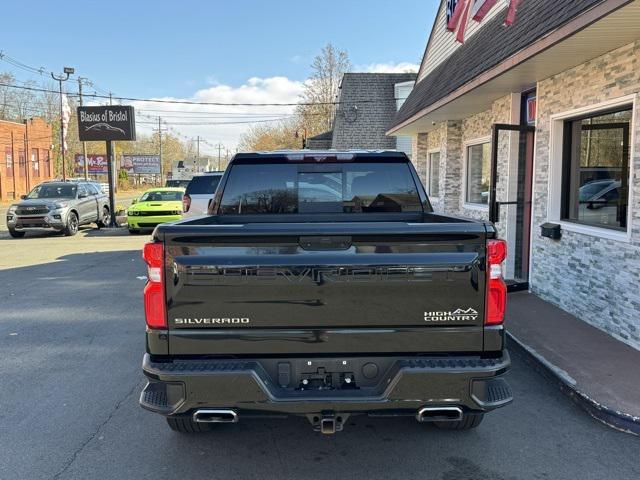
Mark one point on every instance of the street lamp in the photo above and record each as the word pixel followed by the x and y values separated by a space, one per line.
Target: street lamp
pixel 63 78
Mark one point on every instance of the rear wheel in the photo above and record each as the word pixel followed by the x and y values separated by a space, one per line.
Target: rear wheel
pixel 105 219
pixel 15 233
pixel 72 225
pixel 187 425
pixel 469 421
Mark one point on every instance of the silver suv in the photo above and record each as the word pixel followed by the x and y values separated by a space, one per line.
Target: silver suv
pixel 59 206
pixel 200 193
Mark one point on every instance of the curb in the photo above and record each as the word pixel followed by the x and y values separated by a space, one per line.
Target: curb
pixel 621 421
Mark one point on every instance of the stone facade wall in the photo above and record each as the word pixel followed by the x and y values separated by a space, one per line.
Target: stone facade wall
pixel 479 127
pixel 450 138
pixel 420 156
pixel 594 278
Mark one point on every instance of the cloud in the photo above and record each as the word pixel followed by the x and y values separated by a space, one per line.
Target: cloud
pixel 221 123
pixel 389 67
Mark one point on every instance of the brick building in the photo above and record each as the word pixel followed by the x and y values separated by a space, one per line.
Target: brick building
pixel 537 124
pixel 25 156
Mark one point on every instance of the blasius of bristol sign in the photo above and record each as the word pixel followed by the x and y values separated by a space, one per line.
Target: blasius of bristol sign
pixel 106 123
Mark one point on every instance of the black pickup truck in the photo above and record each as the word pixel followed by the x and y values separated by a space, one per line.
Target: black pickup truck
pixel 322 284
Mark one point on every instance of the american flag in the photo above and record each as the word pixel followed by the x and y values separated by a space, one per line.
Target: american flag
pixel 477 10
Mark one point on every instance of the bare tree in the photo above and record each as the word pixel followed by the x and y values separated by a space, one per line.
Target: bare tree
pixel 281 135
pixel 321 89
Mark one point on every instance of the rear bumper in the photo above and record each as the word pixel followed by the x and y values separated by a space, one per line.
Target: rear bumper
pixel 402 387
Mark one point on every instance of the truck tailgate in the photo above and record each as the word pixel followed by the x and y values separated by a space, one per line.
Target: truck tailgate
pixel 334 287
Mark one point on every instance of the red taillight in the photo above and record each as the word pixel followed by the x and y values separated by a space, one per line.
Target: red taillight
pixel 154 301
pixel 496 288
pixel 186 203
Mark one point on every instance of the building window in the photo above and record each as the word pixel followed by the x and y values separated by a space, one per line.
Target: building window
pixel 22 167
pixel 47 164
pixel 595 169
pixel 478 173
pixel 35 163
pixel 8 161
pixel 433 174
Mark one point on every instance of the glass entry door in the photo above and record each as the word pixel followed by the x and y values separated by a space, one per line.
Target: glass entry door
pixel 510 197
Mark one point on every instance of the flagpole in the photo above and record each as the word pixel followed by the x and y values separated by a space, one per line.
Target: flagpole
pixel 60 79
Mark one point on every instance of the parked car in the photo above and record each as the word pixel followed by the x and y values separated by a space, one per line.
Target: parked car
pixel 59 206
pixel 324 285
pixel 600 201
pixel 199 194
pixel 155 206
pixel 177 183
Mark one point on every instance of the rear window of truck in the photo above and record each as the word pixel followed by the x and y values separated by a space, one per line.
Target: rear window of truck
pixel 203 184
pixel 327 188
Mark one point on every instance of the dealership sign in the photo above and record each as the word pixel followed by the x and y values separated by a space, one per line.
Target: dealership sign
pixel 95 164
pixel 106 123
pixel 459 12
pixel 149 164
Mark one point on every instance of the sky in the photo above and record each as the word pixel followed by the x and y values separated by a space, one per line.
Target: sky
pixel 243 51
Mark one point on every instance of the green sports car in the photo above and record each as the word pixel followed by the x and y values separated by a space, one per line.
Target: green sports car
pixel 155 206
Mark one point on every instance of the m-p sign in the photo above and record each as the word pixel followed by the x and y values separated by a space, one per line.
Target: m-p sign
pixel 95 164
pixel 106 123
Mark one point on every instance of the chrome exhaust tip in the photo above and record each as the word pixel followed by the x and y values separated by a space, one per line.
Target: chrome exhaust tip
pixel 439 414
pixel 210 415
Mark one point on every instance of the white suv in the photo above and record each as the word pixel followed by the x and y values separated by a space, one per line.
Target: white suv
pixel 199 194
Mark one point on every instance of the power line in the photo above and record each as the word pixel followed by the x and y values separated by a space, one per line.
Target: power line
pixel 19 64
pixel 192 102
pixel 218 123
pixel 186 114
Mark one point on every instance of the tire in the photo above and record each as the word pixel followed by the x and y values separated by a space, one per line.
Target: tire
pixel 16 233
pixel 134 231
pixel 105 219
pixel 187 425
pixel 469 421
pixel 71 228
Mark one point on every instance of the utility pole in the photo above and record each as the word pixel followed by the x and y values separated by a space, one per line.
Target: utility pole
pixel 60 78
pixel 84 144
pixel 114 153
pixel 110 169
pixel 160 145
pixel 198 151
pixel 220 146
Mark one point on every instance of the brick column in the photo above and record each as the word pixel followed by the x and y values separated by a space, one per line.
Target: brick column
pixel 451 186
pixel 419 156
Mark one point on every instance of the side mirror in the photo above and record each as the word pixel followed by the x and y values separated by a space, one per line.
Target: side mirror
pixel 82 195
pixel 23 197
pixel 135 200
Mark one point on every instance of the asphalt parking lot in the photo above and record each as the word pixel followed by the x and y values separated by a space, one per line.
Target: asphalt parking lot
pixel 71 337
